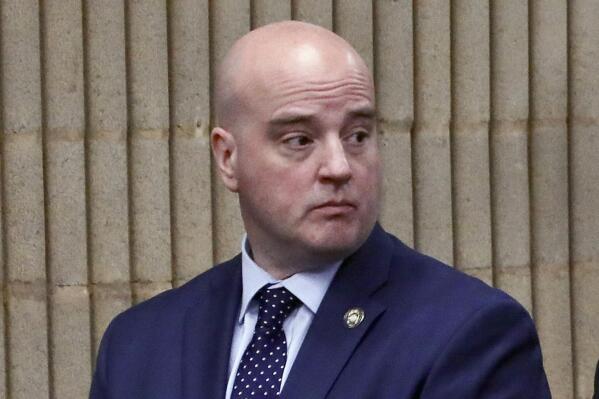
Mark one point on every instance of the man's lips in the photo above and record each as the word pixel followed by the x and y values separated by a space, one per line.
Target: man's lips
pixel 336 206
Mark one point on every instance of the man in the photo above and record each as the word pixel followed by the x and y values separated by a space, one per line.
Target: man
pixel 322 303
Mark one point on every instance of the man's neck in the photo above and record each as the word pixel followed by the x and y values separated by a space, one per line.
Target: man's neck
pixel 281 267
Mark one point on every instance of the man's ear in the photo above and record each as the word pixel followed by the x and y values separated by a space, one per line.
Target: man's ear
pixel 224 150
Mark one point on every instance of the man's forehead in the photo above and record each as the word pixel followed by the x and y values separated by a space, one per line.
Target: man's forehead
pixel 278 59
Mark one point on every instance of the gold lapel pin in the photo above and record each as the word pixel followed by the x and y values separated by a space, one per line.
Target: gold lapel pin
pixel 353 317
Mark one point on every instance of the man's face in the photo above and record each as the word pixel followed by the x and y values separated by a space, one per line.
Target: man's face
pixel 307 163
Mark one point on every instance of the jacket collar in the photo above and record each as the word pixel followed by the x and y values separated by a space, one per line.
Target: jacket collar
pixel 330 342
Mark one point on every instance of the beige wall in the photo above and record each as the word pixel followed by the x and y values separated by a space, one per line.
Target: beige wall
pixel 489 116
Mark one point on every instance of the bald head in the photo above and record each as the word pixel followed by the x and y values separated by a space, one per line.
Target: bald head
pixel 278 52
pixel 296 140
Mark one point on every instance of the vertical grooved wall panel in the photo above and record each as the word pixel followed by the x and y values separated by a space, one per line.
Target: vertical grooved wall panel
pixel 268 11
pixel 71 342
pixel 106 156
pixel 148 105
pixel 64 125
pixel 353 22
pixel 23 176
pixel 509 149
pixel 584 188
pixel 23 206
pixel 549 190
pixel 28 340
pixel 317 12
pixel 431 145
pixel 470 138
pixel 229 20
pixel 189 73
pixel 393 75
pixel 489 136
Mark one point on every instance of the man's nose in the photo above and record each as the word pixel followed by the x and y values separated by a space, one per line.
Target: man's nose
pixel 335 165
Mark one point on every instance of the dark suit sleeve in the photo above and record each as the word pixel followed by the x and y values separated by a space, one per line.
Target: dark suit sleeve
pixel 99 382
pixel 494 354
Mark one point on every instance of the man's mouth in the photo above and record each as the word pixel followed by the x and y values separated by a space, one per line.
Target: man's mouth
pixel 336 207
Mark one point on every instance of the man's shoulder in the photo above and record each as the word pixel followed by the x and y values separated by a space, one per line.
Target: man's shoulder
pixel 424 281
pixel 444 309
pixel 464 330
pixel 170 306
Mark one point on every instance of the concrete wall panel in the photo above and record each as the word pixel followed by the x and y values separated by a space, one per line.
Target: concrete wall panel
pixel 64 124
pixel 25 255
pixel 433 231
pixel 509 149
pixel 396 211
pixel 584 189
pixel 549 190
pixel 28 340
pixel 229 20
pixel 70 342
pixel 21 87
pixel 108 210
pixel 24 206
pixel 393 75
pixel 148 105
pixel 189 72
pixel 106 153
pixel 106 111
pixel 318 12
pixel 21 120
pixel 470 138
pixel 267 11
pixel 66 217
pixel 353 22
pixel 23 201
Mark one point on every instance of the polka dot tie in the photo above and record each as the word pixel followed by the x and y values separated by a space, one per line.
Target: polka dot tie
pixel 261 367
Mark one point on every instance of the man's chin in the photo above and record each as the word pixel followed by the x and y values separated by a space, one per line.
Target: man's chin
pixel 336 247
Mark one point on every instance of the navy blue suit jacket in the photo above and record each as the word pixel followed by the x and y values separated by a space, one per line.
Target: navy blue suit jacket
pixel 429 332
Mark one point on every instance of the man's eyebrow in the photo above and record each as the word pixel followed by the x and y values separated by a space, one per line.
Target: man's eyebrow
pixel 363 112
pixel 291 118
pixel 287 118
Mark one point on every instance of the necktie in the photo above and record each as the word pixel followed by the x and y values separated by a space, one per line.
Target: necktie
pixel 261 367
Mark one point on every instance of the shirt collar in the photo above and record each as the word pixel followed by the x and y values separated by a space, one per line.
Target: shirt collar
pixel 309 287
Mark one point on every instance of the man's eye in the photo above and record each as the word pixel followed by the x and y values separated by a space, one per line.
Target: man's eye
pixel 358 137
pixel 298 141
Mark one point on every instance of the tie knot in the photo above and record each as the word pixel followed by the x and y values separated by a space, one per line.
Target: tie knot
pixel 275 305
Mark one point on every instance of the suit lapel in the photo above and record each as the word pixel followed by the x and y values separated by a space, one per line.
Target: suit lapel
pixel 329 343
pixel 207 336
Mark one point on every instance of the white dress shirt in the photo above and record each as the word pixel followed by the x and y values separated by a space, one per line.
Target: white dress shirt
pixel 309 287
